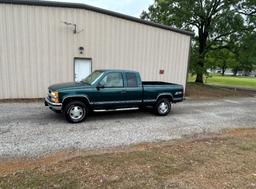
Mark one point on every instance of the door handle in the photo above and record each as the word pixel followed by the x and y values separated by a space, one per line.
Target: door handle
pixel 123 92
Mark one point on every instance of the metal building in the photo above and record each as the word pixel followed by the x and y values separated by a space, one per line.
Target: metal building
pixel 42 43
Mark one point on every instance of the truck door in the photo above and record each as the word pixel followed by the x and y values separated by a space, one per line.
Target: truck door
pixel 111 91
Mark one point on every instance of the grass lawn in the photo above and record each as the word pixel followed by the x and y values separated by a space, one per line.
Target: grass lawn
pixel 213 161
pixel 243 82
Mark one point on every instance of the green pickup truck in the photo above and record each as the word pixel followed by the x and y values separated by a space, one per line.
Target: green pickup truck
pixel 111 90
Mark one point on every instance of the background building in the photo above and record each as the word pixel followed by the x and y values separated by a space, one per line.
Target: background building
pixel 42 43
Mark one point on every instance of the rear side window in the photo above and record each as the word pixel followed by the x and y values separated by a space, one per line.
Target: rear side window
pixel 131 80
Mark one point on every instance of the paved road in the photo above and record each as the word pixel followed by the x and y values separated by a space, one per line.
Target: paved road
pixel 30 129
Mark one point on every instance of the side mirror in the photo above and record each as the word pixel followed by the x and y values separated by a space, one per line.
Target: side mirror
pixel 99 86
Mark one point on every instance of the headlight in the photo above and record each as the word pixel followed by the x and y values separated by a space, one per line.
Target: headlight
pixel 55 96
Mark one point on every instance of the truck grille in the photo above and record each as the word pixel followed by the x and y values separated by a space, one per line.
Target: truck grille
pixel 49 95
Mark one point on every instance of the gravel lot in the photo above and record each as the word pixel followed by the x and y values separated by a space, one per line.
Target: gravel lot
pixel 30 129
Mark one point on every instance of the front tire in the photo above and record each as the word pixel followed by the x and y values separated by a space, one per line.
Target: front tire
pixel 76 112
pixel 162 107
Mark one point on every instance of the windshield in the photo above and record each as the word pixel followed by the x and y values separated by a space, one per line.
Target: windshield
pixel 92 78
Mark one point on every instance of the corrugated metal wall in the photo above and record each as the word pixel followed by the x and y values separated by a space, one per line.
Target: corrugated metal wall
pixel 37 49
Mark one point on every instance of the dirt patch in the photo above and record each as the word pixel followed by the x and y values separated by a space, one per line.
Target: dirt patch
pixel 12 165
pixel 226 160
pixel 201 91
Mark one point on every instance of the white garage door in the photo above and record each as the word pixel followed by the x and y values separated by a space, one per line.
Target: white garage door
pixel 83 68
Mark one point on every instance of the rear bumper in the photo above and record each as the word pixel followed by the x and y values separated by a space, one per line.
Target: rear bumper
pixel 52 105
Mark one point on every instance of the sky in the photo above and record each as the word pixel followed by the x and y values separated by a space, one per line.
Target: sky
pixel 129 7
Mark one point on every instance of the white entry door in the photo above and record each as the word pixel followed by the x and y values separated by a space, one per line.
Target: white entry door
pixel 83 68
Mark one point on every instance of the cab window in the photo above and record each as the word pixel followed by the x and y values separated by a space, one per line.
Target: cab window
pixel 131 80
pixel 112 80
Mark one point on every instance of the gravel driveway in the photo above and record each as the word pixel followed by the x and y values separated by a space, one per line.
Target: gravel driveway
pixel 30 129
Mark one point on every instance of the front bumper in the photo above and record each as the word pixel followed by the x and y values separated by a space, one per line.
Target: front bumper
pixel 179 99
pixel 52 105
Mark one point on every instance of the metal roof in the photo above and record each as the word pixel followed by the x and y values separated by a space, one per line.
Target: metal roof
pixel 91 8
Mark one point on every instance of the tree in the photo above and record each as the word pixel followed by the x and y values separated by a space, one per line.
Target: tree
pixel 222 58
pixel 247 52
pixel 213 21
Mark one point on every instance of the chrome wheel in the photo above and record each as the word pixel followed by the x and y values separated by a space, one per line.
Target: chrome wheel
pixel 76 112
pixel 163 108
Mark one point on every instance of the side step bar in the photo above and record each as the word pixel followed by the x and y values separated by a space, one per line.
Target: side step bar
pixel 114 110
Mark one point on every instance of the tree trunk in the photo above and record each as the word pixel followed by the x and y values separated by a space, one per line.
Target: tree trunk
pixel 223 68
pixel 235 71
pixel 200 72
pixel 199 78
pixel 223 71
pixel 202 46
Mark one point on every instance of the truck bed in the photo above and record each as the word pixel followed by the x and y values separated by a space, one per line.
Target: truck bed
pixel 152 90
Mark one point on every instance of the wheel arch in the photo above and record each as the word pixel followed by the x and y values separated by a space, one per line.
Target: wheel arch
pixel 81 98
pixel 165 95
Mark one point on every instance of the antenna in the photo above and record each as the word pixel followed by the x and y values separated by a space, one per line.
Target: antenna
pixel 74 25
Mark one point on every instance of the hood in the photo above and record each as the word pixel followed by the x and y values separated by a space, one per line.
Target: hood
pixel 70 85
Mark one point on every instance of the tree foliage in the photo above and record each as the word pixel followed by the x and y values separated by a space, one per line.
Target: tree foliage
pixel 219 26
pixel 247 52
pixel 222 58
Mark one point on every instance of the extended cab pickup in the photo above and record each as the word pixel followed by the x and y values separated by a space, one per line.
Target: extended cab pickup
pixel 111 90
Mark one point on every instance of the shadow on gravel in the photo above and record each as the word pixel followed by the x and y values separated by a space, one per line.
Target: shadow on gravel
pixel 113 115
pixel 51 117
pixel 116 115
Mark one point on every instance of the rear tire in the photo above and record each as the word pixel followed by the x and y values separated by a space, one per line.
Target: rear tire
pixel 76 112
pixel 162 107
